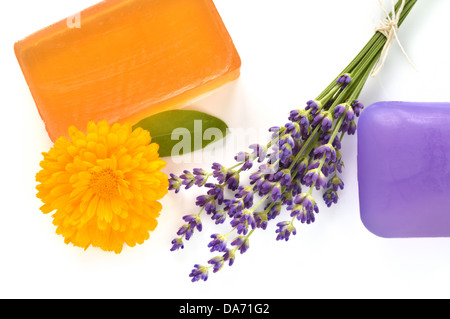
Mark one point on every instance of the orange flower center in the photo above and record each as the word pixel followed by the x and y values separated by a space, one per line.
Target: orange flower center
pixel 105 183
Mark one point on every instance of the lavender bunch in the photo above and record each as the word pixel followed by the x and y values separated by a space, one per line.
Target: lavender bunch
pixel 301 156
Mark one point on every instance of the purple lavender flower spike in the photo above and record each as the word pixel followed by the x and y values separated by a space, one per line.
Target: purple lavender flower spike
pixel 299 116
pixel 245 158
pixel 207 202
pixel 302 166
pixel 344 80
pixel 219 217
pixel 216 190
pixel 293 129
pixel 327 168
pixel 287 139
pixel 238 241
pixel 335 183
pixel 242 242
pixel 217 263
pixel 202 200
pixel 219 243
pixel 249 218
pixel 274 211
pixel 175 183
pixel 310 177
pixel 313 105
pixel 219 172
pixel 199 171
pixel 241 157
pixel 200 176
pixel 234 206
pixel 276 192
pixel 265 187
pixel 339 165
pixel 330 197
pixel 268 169
pixel 294 189
pixel 285 178
pixel 199 273
pixel 243 222
pixel 194 221
pixel 284 231
pixel 260 151
pixel 177 244
pixel 318 119
pixel 344 127
pixel 327 122
pixel 308 217
pixel 349 116
pixel 327 150
pixel 285 153
pixel 261 219
pixel 210 207
pixel 357 107
pixel 294 115
pixel 188 179
pixel 255 177
pixel 307 201
pixel 339 110
pixel 314 164
pixel 351 128
pixel 230 256
pixel 337 143
pixel 303 208
pixel 302 214
pixel 187 230
pixel 232 180
pixel 325 138
pixel 246 193
pixel 315 176
pixel 276 131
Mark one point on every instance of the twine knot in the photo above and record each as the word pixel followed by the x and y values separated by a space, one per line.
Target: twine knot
pixel 389 27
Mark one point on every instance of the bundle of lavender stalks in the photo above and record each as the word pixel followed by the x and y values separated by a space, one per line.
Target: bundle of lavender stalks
pixel 301 156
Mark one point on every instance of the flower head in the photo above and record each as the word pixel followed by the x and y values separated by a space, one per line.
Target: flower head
pixel 326 150
pixel 217 263
pixel 344 80
pixel 330 197
pixel 103 186
pixel 357 107
pixel 284 231
pixel 175 183
pixel 219 243
pixel 260 151
pixel 335 183
pixel 339 110
pixel 316 177
pixel 242 243
pixel 312 105
pixel 177 243
pixel 199 273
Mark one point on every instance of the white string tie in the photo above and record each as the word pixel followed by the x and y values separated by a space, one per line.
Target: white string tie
pixel 389 27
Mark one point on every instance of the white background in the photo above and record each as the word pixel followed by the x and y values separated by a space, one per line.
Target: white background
pixel 290 51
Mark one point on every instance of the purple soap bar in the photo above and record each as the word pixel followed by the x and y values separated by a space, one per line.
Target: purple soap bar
pixel 404 169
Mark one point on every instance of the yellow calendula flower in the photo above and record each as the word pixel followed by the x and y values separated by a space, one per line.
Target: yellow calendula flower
pixel 103 186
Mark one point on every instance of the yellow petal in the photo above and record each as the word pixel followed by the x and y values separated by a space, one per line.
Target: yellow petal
pixel 92 208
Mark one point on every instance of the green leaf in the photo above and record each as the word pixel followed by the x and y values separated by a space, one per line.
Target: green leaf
pixel 183 127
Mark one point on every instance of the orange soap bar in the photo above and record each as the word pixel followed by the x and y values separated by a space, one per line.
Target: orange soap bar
pixel 124 60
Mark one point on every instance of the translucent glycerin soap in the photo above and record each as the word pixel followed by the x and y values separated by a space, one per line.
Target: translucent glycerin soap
pixel 404 169
pixel 124 60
